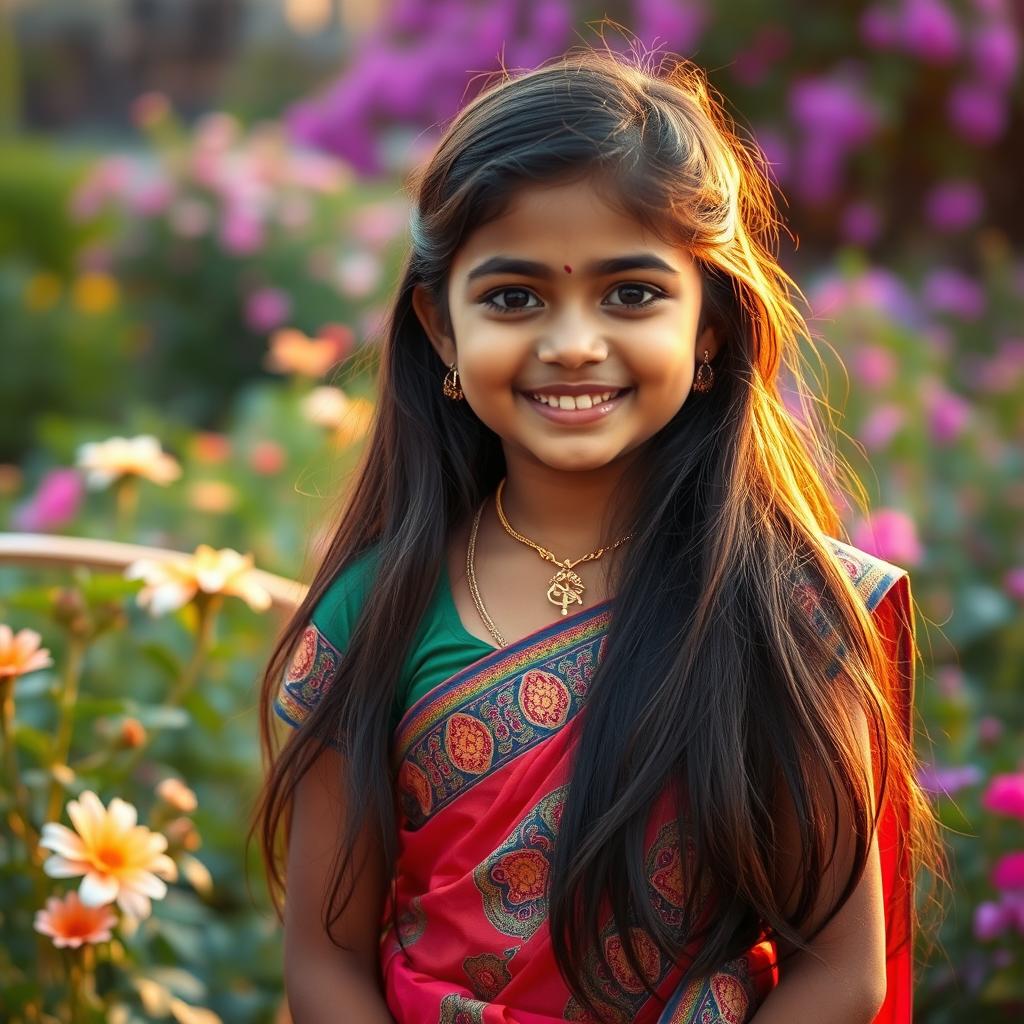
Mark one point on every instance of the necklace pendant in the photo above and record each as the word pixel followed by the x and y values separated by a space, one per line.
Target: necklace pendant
pixel 565 588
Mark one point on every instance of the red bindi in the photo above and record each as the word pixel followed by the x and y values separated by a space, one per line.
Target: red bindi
pixel 568 269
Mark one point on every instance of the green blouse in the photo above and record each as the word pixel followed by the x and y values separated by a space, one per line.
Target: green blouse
pixel 441 647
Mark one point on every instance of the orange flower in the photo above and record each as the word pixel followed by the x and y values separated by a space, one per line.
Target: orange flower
pixel 20 652
pixel 174 581
pixel 69 922
pixel 105 461
pixel 291 351
pixel 176 794
pixel 119 858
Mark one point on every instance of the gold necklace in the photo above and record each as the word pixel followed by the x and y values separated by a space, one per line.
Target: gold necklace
pixel 565 587
pixel 471 578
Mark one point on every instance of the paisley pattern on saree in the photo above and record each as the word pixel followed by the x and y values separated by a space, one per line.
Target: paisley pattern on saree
pixel 726 997
pixel 458 1009
pixel 311 670
pixel 488 973
pixel 489 714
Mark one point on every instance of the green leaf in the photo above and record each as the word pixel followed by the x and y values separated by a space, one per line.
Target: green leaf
pixel 164 659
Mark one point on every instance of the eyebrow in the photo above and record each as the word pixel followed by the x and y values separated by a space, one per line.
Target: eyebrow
pixel 600 268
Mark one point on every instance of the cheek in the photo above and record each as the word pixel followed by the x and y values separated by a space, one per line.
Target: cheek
pixel 662 367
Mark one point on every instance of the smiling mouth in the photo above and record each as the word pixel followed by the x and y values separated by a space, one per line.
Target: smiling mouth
pixel 571 403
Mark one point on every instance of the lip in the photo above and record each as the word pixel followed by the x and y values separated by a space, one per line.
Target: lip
pixel 577 417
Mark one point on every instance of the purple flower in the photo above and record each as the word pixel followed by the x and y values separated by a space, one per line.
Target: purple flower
pixel 54 504
pixel 977 112
pixel 948 781
pixel 929 30
pixel 835 107
pixel 267 308
pixel 949 291
pixel 669 23
pixel 948 415
pixel 1014 582
pixel 891 535
pixel 881 425
pixel 995 53
pixel 862 222
pixel 990 921
pixel 954 205
pixel 775 151
pixel 241 232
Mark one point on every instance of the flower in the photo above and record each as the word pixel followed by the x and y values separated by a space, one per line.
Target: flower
pixel 70 922
pixel 947 781
pixel 216 496
pixel 954 205
pixel 105 461
pixel 891 535
pixel 348 418
pixel 54 504
pixel 119 858
pixel 20 652
pixel 94 293
pixel 211 448
pixel 174 581
pixel 1005 795
pixel 1008 872
pixel 291 351
pixel 176 794
pixel 267 457
pixel 267 308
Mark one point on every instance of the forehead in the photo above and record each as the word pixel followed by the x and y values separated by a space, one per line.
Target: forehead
pixel 565 223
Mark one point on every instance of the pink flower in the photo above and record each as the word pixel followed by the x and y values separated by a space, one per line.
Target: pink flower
pixel 874 366
pixel 948 415
pixel 990 921
pixel 1008 872
pixel 241 232
pixel 929 30
pixel 950 291
pixel 1014 582
pixel 70 922
pixel 1005 795
pixel 995 53
pixel 890 535
pixel 267 457
pixel 55 503
pixel 954 205
pixel 881 425
pixel 267 308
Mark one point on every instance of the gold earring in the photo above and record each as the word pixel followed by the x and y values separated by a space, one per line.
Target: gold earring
pixel 705 376
pixel 451 387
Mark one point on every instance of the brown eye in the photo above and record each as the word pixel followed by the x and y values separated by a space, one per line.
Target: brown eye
pixel 518 296
pixel 629 292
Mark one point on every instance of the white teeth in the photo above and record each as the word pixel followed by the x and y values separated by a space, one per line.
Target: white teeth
pixel 570 402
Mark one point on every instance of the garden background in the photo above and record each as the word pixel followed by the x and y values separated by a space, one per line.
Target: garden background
pixel 201 216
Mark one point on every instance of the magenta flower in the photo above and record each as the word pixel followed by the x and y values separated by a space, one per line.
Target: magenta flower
pixel 1014 582
pixel 1008 872
pixel 977 112
pixel 948 415
pixel 891 535
pixel 929 30
pixel 954 205
pixel 55 503
pixel 995 53
pixel 267 308
pixel 1005 795
pixel 241 232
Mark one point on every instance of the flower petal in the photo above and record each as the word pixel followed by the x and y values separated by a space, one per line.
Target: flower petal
pixel 123 814
pixel 96 889
pixel 147 884
pixel 60 867
pixel 62 840
pixel 134 903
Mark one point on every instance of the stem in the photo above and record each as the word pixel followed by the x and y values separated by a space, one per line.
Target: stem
pixel 62 741
pixel 207 606
pixel 75 981
pixel 19 817
pixel 127 505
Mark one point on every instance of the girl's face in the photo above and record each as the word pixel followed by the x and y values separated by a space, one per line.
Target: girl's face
pixel 563 290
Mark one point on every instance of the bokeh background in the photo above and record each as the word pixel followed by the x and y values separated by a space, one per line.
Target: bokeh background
pixel 201 216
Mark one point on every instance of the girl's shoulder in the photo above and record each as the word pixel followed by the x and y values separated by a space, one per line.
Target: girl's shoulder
pixel 336 612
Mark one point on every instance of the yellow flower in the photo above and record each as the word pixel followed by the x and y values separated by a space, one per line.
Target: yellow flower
pixel 291 351
pixel 348 418
pixel 20 652
pixel 356 423
pixel 70 923
pixel 42 291
pixel 174 581
pixel 94 293
pixel 176 794
pixel 119 858
pixel 105 461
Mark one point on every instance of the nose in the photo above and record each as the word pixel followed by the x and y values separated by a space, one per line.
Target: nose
pixel 573 342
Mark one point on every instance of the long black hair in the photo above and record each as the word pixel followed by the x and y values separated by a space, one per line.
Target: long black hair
pixel 713 680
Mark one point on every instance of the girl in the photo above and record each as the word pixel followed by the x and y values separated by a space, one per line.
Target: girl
pixel 596 719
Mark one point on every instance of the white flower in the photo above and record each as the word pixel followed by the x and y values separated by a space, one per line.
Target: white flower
pixel 106 461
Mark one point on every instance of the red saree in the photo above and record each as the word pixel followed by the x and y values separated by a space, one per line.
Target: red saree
pixel 483 763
